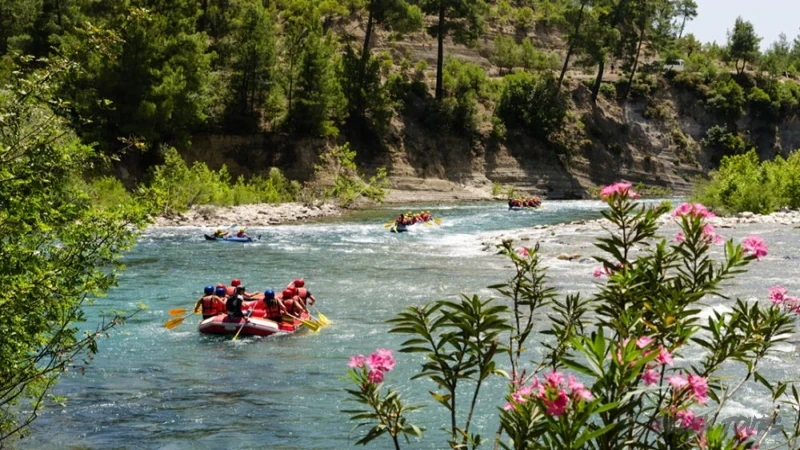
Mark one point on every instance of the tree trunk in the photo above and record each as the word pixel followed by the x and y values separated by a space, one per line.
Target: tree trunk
pixel 203 17
pixel 683 25
pixel 571 46
pixel 440 59
pixel 635 61
pixel 599 80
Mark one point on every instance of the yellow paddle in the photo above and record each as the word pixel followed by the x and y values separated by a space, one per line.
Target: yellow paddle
pixel 388 224
pixel 311 325
pixel 240 329
pixel 428 223
pixel 172 323
pixel 438 221
pixel 322 319
pixel 177 312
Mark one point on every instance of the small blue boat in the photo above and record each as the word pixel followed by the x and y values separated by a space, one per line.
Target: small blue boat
pixel 231 239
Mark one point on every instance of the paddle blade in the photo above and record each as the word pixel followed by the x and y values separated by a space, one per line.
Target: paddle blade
pixel 178 312
pixel 172 323
pixel 438 221
pixel 428 224
pixel 388 224
pixel 310 325
pixel 323 320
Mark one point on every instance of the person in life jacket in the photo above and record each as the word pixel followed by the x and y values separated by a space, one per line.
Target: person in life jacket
pixel 303 293
pixel 205 304
pixel 291 302
pixel 220 233
pixel 242 234
pixel 234 303
pixel 274 307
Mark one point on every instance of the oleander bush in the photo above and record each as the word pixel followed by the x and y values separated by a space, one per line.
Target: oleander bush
pixel 632 366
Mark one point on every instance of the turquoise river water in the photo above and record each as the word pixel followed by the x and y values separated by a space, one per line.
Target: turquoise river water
pixel 154 388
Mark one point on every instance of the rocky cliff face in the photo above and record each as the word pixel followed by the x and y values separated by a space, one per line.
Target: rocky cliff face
pixel 654 140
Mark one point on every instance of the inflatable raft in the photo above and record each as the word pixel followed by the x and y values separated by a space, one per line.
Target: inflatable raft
pixel 230 239
pixel 399 229
pixel 254 326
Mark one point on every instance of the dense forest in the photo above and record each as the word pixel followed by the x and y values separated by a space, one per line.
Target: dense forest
pixel 157 73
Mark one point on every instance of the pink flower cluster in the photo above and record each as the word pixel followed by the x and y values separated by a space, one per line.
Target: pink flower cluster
pixel 552 393
pixel 605 271
pixel 693 209
pixel 743 433
pixel 688 420
pixel 377 364
pixel 779 296
pixel 755 246
pixel 618 189
pixel 695 385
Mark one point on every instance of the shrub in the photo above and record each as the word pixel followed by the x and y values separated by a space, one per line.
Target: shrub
pixel 108 192
pixel 761 104
pixel 608 91
pixel 719 138
pixel 347 183
pixel 531 102
pixel 727 100
pixel 605 370
pixel 179 187
pixel 743 183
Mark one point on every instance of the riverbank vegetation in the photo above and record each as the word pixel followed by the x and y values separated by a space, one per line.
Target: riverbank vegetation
pixel 59 250
pixel 633 363
pixel 743 183
pixel 344 71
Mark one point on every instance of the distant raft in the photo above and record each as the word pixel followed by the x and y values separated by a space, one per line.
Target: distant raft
pixel 231 238
pixel 404 221
pixel 524 203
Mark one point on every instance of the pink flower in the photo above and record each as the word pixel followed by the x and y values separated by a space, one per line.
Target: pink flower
pixel 699 387
pixel 693 209
pixel 381 360
pixel 679 237
pixel 573 383
pixel 524 252
pixel 650 377
pixel 598 273
pixel 664 357
pixel 677 382
pixel 755 246
pixel 583 394
pixel 685 417
pixel 375 376
pixel 621 189
pixel 557 407
pixel 710 234
pixel 744 433
pixel 777 294
pixel 644 341
pixel 508 406
pixel 356 361
pixel 554 378
pixel 697 424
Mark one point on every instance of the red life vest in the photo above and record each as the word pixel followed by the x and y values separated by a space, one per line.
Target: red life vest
pixel 211 305
pixel 230 290
pixel 274 310
pixel 302 293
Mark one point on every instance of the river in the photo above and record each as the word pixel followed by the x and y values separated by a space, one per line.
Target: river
pixel 154 388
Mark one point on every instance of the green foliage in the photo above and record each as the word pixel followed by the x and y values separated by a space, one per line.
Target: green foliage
pixel 178 186
pixel 506 53
pixel 107 193
pixel 533 59
pixel 743 183
pixel 532 103
pixel 347 184
pixel 718 137
pixel 743 44
pixel 727 101
pixel 58 251
pixel 253 57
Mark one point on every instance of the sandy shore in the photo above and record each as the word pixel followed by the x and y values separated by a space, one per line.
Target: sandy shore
pixel 257 215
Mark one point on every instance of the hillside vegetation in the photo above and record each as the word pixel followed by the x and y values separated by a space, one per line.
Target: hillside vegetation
pixel 553 96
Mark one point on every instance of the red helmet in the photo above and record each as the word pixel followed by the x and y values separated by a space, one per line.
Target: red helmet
pixel 236 282
pixel 299 283
pixel 221 285
pixel 288 293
